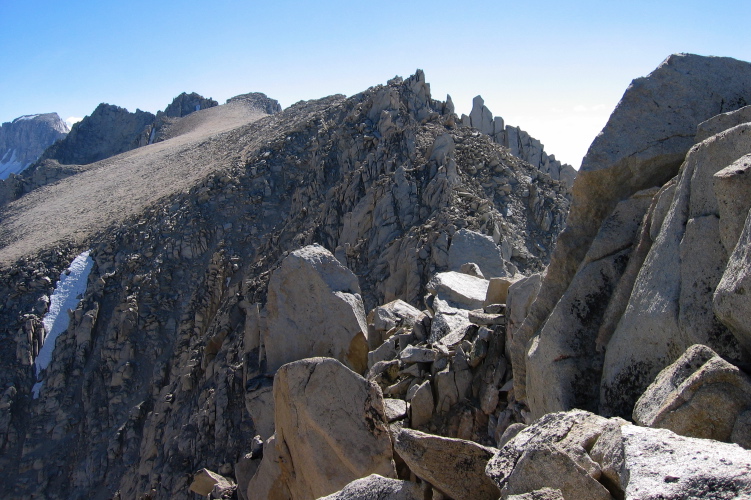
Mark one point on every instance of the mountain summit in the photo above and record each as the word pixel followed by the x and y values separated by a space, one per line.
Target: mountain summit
pixel 24 139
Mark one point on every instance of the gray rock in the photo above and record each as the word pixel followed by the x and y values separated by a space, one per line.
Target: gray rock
pixel 700 395
pixel 395 313
pixel 421 405
pixel 454 466
pixel 473 247
pixel 741 434
pixel 563 365
pixel 451 386
pixel 480 317
pixel 510 433
pixel 325 317
pixel 375 487
pixel 260 405
pixel 245 469
pixel 460 289
pixel 386 352
pixel 331 429
pixel 730 300
pixel 396 409
pixel 571 433
pixel 732 187
pixel 670 305
pixel 642 146
pixel 268 481
pixel 449 323
pixel 472 269
pixel 546 466
pixel 697 468
pixel 721 122
pixel 414 354
pixel 498 289
pixel 543 494
pixel 520 297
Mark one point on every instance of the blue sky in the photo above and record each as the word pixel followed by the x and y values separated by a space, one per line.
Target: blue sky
pixel 557 69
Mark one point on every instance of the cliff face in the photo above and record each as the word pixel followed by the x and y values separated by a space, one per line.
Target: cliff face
pixel 159 370
pixel 24 139
pixel 109 130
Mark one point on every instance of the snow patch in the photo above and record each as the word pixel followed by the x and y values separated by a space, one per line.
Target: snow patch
pixel 12 165
pixel 25 117
pixel 68 290
pixel 151 135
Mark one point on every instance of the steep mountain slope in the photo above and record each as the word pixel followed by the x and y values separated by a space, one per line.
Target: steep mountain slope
pixel 24 139
pixel 108 191
pixel 152 379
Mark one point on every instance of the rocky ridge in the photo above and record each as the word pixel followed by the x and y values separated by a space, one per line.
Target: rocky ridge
pixel 371 233
pixel 164 356
pixel 109 131
pixel 23 140
pixel 519 142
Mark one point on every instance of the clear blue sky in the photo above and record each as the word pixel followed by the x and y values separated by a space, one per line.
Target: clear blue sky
pixel 554 68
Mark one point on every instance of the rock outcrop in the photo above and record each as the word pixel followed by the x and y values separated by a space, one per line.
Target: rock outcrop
pixel 108 131
pixel 519 142
pixel 375 487
pixel 586 456
pixel 315 309
pixel 453 466
pixel 331 429
pixel 642 147
pixel 700 395
pixel 249 240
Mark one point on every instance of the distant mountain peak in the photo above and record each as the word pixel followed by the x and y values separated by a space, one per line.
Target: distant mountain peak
pixel 24 139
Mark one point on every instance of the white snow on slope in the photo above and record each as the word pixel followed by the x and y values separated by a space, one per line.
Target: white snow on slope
pixel 11 166
pixel 25 117
pixel 68 290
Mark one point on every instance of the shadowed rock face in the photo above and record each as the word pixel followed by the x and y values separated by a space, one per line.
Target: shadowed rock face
pixel 108 131
pixel 24 139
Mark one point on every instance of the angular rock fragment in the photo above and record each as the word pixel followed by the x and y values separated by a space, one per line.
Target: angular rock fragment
pixel 731 302
pixel 732 187
pixel 700 395
pixel 543 494
pixel 462 290
pixel 421 405
pixel 331 429
pixel 472 247
pixel 375 487
pixel 396 409
pixel 449 323
pixel 454 466
pixel 205 481
pixel 654 464
pixel 546 466
pixel 315 309
pixel 498 289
